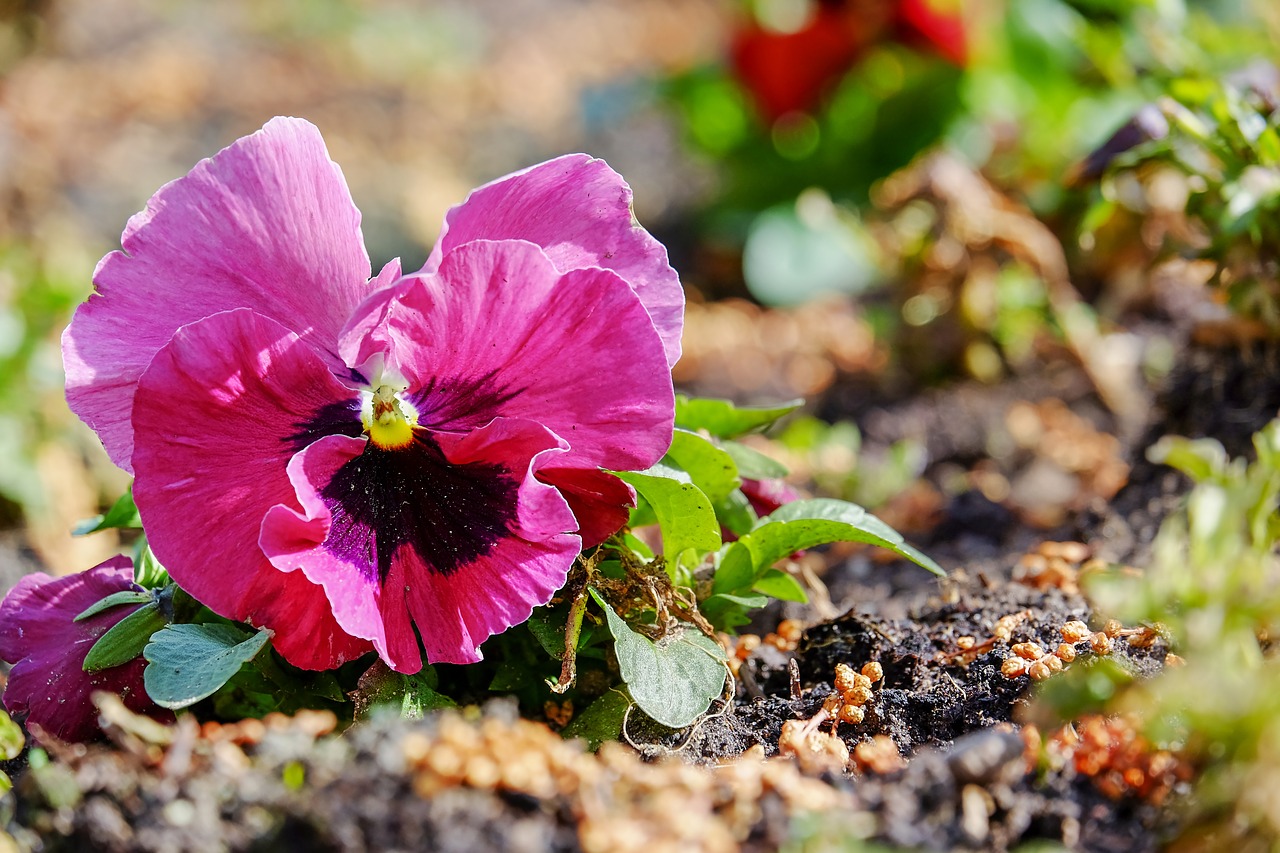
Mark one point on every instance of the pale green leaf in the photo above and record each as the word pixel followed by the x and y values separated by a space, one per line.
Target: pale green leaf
pixel 723 419
pixel 674 680
pixel 187 663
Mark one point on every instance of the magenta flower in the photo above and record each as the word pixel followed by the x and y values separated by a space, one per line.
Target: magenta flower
pixel 380 463
pixel 47 649
pixel 768 495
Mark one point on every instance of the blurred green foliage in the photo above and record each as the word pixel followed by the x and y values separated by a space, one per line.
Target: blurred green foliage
pixel 38 291
pixel 1214 590
pixel 1215 154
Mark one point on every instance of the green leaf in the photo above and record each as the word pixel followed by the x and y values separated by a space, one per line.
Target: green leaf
pixel 735 513
pixel 147 571
pixel 124 596
pixel 123 514
pixel 683 512
pixel 547 624
pixel 800 525
pixel 727 611
pixel 420 694
pixel 711 469
pixel 125 640
pixel 601 721
pixel 674 680
pixel 725 420
pixel 512 675
pixel 409 695
pixel 737 569
pixel 11 739
pixel 804 524
pixel 782 586
pixel 752 463
pixel 1201 459
pixel 187 663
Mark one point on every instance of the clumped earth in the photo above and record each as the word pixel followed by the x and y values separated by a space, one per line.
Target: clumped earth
pixel 946 757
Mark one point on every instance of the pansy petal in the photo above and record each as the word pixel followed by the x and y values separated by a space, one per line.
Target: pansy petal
pixel 48 684
pixel 266 224
pixel 295 540
pixel 600 501
pixel 362 344
pixel 579 211
pixel 457 609
pixel 499 332
pixel 220 411
pixel 377 523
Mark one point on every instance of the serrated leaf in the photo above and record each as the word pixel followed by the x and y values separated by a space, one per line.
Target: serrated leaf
pixel 125 640
pixel 684 513
pixel 601 720
pixel 123 514
pixel 752 463
pixel 723 419
pixel 711 469
pixel 782 586
pixel 124 596
pixel 674 680
pixel 187 663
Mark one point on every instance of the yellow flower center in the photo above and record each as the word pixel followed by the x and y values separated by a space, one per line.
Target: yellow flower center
pixel 387 425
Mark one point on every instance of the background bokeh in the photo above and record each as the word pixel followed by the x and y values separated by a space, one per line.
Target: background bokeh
pixel 766 182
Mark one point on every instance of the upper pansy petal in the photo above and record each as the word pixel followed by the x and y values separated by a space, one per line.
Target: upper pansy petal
pixel 498 331
pixel 377 524
pixel 219 413
pixel 40 637
pixel 579 211
pixel 266 224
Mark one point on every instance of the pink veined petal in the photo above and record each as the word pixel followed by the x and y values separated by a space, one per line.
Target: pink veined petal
pixel 579 211
pixel 266 224
pixel 363 344
pixel 456 612
pixel 368 581
pixel 294 540
pixel 40 637
pixel 499 332
pixel 219 413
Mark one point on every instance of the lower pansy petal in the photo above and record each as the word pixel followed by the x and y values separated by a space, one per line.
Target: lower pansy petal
pixel 381 529
pixel 341 557
pixel 497 331
pixel 219 413
pixel 459 608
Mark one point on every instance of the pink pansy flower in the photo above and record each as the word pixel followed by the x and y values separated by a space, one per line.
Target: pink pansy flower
pixel 400 462
pixel 47 647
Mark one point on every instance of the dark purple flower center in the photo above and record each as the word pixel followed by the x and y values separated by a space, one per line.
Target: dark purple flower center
pixel 341 418
pixel 413 497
